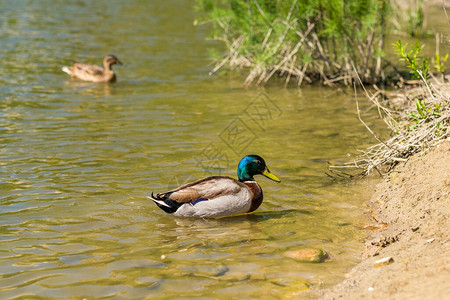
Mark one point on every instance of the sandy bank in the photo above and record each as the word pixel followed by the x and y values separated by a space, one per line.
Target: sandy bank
pixel 411 208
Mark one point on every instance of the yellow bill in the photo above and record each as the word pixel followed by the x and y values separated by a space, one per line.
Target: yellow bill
pixel 270 175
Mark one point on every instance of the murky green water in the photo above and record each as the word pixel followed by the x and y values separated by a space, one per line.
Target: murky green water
pixel 78 160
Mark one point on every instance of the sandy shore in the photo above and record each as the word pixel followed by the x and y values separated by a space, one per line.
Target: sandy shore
pixel 411 229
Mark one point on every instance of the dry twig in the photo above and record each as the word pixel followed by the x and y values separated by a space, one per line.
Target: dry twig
pixel 411 134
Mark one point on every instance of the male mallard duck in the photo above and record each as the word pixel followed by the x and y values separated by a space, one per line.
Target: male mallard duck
pixel 218 196
pixel 92 72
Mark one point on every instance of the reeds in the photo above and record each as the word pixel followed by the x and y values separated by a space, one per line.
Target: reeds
pixel 312 41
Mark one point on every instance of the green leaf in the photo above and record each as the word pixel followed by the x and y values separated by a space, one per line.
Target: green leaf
pixel 420 108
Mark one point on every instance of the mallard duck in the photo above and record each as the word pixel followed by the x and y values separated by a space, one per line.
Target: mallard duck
pixel 218 196
pixel 92 72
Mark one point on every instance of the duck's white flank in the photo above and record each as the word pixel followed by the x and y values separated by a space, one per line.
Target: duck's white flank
pixel 221 206
pixel 66 70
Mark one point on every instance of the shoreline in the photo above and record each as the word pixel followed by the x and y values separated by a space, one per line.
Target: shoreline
pixel 410 232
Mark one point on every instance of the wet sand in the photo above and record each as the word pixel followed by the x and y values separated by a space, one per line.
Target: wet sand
pixel 410 232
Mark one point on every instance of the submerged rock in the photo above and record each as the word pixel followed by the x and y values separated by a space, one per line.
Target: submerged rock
pixel 294 284
pixel 205 270
pixel 307 255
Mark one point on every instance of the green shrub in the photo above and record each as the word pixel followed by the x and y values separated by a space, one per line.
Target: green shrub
pixel 309 40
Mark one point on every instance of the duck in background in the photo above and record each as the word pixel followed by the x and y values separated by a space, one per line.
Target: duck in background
pixel 218 196
pixel 94 73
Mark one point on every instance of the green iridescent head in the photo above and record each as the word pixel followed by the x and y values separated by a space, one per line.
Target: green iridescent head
pixel 252 165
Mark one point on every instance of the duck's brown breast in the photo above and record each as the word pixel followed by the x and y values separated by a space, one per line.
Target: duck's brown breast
pixel 110 77
pixel 257 194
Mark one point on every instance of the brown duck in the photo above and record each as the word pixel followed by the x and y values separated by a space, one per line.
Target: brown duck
pixel 92 72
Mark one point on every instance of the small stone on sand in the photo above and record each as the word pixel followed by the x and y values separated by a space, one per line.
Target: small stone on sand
pixel 384 261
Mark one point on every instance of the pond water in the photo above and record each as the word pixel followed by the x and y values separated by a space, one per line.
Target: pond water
pixel 78 160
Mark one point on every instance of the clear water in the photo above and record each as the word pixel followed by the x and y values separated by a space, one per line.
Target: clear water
pixel 77 161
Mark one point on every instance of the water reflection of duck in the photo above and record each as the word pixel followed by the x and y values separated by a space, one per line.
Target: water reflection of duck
pixel 218 196
pixel 92 72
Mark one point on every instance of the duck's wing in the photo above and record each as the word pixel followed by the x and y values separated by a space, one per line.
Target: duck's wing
pixel 89 70
pixel 205 189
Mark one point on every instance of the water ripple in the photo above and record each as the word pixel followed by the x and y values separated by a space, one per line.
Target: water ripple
pixel 78 160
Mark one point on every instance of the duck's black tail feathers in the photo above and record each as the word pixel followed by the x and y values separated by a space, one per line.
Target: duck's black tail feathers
pixel 165 203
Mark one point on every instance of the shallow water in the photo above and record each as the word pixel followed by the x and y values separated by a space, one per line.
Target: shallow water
pixel 78 160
